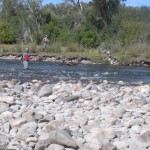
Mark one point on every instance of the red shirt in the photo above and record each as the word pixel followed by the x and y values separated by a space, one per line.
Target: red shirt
pixel 26 57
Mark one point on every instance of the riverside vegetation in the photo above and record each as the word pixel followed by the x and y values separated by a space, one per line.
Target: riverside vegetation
pixel 125 56
pixel 76 31
pixel 71 115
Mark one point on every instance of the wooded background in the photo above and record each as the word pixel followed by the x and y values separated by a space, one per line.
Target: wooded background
pixel 99 23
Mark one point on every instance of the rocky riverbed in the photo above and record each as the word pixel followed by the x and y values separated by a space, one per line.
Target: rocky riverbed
pixel 74 115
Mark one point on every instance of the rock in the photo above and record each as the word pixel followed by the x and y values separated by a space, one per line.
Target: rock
pixel 4 140
pixel 147 120
pixel 93 146
pixel 7 99
pixel 27 130
pixel 28 116
pixel 118 113
pixel 38 115
pixel 13 132
pixel 109 146
pixel 121 83
pixel 121 144
pixel 18 88
pixel 73 126
pixel 17 122
pixel 46 90
pixel 131 107
pixel 6 114
pixel 31 139
pixel 134 122
pixel 3 107
pixel 144 90
pixel 111 120
pixel 145 137
pixel 85 62
pixel 100 133
pixel 53 125
pixel 7 127
pixel 62 137
pixel 71 98
pixel 86 94
pixel 40 145
pixel 55 147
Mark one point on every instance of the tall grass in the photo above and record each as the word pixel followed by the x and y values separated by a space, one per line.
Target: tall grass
pixel 127 53
pixel 124 54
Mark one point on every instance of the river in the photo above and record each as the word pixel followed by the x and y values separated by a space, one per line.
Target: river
pixel 57 71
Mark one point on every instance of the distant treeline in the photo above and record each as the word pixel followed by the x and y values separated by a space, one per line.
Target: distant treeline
pixel 94 24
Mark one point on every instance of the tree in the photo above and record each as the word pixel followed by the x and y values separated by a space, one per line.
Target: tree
pixel 7 34
pixel 105 9
pixel 24 16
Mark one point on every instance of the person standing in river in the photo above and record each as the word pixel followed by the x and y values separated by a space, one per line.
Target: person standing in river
pixel 26 58
pixel 45 42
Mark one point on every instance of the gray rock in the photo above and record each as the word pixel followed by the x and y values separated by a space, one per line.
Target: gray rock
pixel 7 127
pixel 46 90
pixel 93 146
pixel 62 137
pixel 55 147
pixel 4 140
pixel 40 145
pixel 145 138
pixel 71 98
pixel 28 116
pixel 18 88
pixel 7 99
pixel 17 122
pixel 27 130
pixel 3 107
pixel 109 146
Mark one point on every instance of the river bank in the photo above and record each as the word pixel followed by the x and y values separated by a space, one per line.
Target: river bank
pixel 74 116
pixel 76 60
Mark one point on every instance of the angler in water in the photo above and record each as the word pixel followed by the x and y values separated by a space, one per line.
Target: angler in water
pixel 26 58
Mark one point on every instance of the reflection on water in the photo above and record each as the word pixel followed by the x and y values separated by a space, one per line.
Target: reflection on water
pixel 57 71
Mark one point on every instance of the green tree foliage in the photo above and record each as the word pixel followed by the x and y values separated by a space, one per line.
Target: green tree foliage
pixel 7 34
pixel 130 31
pixel 105 9
pixel 87 37
pixel 55 30
pixel 99 22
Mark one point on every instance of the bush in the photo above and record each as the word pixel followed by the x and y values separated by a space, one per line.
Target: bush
pixel 7 34
pixel 87 37
pixel 130 31
pixel 56 31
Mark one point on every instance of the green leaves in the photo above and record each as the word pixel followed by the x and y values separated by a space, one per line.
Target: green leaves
pixel 7 34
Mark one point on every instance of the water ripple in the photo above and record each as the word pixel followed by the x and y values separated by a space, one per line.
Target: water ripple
pixel 54 72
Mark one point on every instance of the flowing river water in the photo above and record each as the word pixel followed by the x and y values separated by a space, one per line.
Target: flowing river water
pixel 57 71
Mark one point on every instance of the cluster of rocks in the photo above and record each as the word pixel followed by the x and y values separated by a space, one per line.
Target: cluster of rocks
pixel 138 62
pixel 60 59
pixel 76 60
pixel 74 116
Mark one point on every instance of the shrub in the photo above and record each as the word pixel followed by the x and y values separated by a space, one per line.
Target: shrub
pixel 7 34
